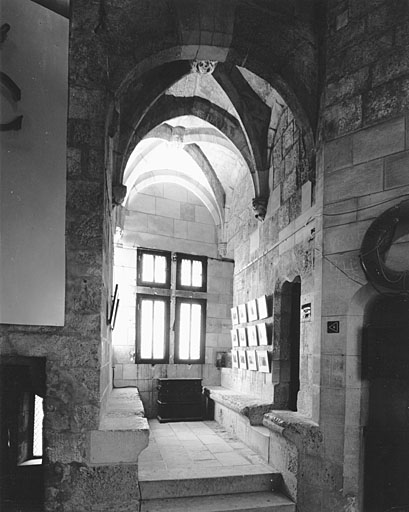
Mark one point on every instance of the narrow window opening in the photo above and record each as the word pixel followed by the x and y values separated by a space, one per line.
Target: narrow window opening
pixel 191 273
pixel 38 427
pixel 153 321
pixel 190 324
pixel 154 268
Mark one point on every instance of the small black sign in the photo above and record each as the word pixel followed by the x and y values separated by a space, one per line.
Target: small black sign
pixel 333 327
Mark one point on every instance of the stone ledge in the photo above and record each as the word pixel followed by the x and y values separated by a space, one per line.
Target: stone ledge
pixel 295 427
pixel 123 432
pixel 250 406
pixel 123 410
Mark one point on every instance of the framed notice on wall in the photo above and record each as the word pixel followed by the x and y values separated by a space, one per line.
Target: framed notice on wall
pixel 234 358
pixel 242 337
pixel 252 335
pixel 242 313
pixel 234 337
pixel 262 361
pixel 262 334
pixel 242 360
pixel 252 310
pixel 234 316
pixel 251 360
pixel 262 307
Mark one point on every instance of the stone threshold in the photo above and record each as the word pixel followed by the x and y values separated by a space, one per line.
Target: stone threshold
pixel 123 432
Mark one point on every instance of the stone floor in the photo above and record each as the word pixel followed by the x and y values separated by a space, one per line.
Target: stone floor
pixel 196 450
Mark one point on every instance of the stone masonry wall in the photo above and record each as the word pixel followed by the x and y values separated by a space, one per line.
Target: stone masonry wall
pixel 363 163
pixel 367 64
pixel 277 250
pixel 364 123
pixel 168 216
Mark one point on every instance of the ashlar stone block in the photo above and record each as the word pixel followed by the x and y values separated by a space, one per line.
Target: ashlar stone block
pixel 187 212
pixel 378 141
pixel 392 65
pixel 275 200
pixel 160 225
pixel 397 170
pixel 338 153
pixel 167 208
pixel 344 117
pixel 123 432
pixel 203 215
pixel 202 232
pixel 306 196
pixel 143 203
pixel 386 101
pixel 354 181
pixel 344 238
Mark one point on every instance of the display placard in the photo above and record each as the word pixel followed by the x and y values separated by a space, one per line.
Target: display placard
pixel 262 361
pixel 252 310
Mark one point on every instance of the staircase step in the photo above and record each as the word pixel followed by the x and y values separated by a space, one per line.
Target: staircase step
pixel 244 502
pixel 208 486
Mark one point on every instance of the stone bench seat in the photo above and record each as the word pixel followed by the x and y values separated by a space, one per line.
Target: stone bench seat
pixel 124 410
pixel 123 431
pixel 250 406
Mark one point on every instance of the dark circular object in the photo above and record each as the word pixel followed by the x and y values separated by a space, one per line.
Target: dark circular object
pixel 375 245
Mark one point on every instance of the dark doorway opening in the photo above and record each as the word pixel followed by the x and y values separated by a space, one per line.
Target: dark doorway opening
pixel 22 381
pixel 290 335
pixel 385 363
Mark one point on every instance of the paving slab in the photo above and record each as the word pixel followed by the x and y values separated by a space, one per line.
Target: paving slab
pixel 195 450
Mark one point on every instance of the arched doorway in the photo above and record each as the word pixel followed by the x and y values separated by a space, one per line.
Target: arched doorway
pixel 385 363
pixel 290 337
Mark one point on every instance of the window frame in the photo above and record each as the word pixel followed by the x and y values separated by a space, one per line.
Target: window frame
pixel 203 303
pixel 152 284
pixel 183 256
pixel 34 429
pixel 152 297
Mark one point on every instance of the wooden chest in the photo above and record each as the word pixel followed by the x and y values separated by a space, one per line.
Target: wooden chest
pixel 179 400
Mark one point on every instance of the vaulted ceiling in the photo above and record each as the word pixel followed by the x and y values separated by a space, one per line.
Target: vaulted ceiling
pixel 202 131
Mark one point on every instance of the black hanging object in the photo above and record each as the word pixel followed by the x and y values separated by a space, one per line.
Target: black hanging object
pixel 376 244
pixel 4 29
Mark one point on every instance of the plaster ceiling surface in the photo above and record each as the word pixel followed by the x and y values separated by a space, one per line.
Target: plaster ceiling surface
pixel 204 86
pixel 154 154
pixel 227 162
pixel 262 88
pixel 191 122
pixel 171 156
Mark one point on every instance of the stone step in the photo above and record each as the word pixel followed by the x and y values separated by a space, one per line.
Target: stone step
pixel 211 485
pixel 243 502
